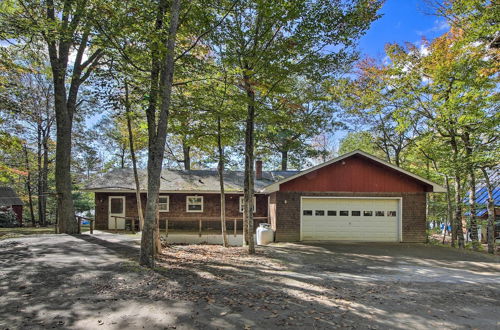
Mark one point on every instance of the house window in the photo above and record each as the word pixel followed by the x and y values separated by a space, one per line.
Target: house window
pixel 319 212
pixel 307 212
pixel 367 213
pixel 379 213
pixel 356 213
pixel 116 205
pixel 242 204
pixel 344 213
pixel 391 213
pixel 194 204
pixel 331 213
pixel 163 203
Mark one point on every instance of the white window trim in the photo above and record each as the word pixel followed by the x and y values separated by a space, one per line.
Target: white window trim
pixel 194 211
pixel 242 202
pixel 124 205
pixel 168 203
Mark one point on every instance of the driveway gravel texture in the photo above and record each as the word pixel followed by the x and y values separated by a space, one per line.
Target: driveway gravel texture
pixel 95 282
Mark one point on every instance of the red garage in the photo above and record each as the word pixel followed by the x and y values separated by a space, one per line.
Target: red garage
pixel 355 197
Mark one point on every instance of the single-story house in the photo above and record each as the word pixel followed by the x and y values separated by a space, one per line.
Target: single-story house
pixel 9 199
pixel 355 197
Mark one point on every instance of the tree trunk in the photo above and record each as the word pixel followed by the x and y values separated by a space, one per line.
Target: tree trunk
pixel 249 160
pixel 457 228
pixel 134 160
pixel 186 151
pixel 220 168
pixel 284 160
pixel 449 210
pixel 458 213
pixel 472 190
pixel 472 210
pixel 491 213
pixel 66 211
pixel 45 175
pixel 28 186
pixel 39 185
pixel 157 132
pixel 122 157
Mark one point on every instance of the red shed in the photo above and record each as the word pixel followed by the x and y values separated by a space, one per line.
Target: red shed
pixel 9 199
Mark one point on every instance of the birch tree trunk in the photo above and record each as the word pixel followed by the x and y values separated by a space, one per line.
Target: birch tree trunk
pixel 134 159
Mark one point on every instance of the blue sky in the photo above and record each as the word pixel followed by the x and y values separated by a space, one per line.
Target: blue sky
pixel 401 21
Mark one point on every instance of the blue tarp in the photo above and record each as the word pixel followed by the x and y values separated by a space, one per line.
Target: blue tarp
pixel 482 199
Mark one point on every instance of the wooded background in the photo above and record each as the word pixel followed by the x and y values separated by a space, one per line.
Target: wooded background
pixel 89 85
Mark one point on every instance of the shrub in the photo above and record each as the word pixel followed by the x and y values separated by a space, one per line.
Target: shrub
pixel 8 218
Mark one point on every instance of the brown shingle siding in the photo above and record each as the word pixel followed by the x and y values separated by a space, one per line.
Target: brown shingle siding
pixel 177 207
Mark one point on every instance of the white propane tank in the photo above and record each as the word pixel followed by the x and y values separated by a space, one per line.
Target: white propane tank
pixel 265 234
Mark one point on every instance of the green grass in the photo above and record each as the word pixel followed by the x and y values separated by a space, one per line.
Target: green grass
pixel 27 231
pixel 24 231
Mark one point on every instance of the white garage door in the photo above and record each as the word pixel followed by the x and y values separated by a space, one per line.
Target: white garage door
pixel 356 219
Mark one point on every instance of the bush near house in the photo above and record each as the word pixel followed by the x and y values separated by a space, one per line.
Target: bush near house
pixel 8 218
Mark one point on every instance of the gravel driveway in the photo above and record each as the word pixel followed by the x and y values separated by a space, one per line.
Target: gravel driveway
pixel 89 282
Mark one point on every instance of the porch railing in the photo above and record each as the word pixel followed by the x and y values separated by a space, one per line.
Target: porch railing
pixel 80 219
pixel 135 220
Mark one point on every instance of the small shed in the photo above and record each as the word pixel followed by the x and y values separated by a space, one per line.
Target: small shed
pixel 9 199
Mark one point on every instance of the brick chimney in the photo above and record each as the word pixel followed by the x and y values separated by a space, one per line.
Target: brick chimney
pixel 258 169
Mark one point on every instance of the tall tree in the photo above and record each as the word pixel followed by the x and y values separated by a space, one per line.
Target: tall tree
pixel 268 42
pixel 66 27
pixel 162 74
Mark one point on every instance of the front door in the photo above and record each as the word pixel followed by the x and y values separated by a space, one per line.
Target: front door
pixel 116 209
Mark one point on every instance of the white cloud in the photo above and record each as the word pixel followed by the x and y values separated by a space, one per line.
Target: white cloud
pixel 439 26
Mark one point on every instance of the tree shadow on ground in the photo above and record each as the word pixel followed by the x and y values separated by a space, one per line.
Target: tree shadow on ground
pixel 87 281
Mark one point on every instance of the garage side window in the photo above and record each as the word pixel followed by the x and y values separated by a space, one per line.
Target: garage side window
pixel 391 213
pixel 344 213
pixel 307 212
pixel 379 213
pixel 319 212
pixel 367 213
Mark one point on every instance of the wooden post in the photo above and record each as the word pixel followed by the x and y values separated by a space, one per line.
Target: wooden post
pixel 133 226
pixel 79 224
pixel 92 226
pixel 199 228
pixel 116 225
pixel 166 227
pixel 235 225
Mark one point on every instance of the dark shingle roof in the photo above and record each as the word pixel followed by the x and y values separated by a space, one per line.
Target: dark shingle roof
pixel 179 180
pixel 8 197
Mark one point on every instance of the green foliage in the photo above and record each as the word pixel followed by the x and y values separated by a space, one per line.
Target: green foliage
pixel 8 218
pixel 360 141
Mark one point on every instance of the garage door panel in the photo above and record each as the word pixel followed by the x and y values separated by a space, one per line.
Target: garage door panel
pixel 317 225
